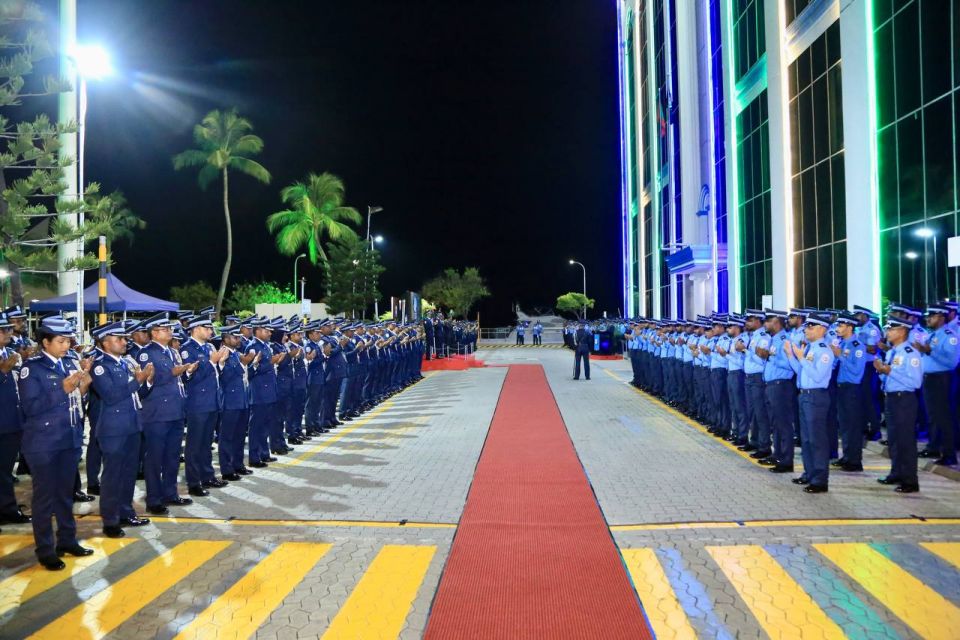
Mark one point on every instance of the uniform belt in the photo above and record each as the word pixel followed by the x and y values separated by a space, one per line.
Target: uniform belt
pixel 899 393
pixel 780 381
pixel 813 390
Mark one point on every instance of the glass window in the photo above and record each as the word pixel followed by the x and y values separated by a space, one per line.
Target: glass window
pixel 938 156
pixel 935 28
pixel 910 168
pixel 906 38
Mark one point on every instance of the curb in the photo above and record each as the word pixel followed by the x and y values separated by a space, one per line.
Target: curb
pixel 951 473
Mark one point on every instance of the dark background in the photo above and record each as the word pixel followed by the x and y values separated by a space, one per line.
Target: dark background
pixel 487 130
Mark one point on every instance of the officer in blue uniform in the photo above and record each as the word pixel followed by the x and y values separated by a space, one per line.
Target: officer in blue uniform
pixel 335 370
pixel 351 352
pixel 51 400
pixel 521 329
pixel 756 402
pixel 584 341
pixel 11 427
pixel 234 416
pixel 734 354
pixel 941 355
pixel 901 372
pixel 814 366
pixel 163 415
pixel 298 387
pixel 262 375
pixel 538 333
pixel 118 428
pixel 869 335
pixel 202 405
pixel 284 369
pixel 428 331
pixel 780 391
pixel 313 348
pixel 851 354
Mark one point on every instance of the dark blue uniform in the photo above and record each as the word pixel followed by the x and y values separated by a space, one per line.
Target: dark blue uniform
pixel 263 400
pixel 162 417
pixel 584 341
pixel 11 432
pixel 235 415
pixel 202 406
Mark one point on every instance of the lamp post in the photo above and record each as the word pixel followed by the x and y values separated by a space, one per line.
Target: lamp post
pixel 302 255
pixel 90 62
pixel 376 303
pixel 584 286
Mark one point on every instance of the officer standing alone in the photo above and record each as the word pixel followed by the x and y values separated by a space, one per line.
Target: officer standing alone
pixel 584 343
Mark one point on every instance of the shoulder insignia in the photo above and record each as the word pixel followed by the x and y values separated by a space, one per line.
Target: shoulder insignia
pixel 952 341
pixel 144 357
pixel 98 371
pixel 825 358
pixel 184 354
pixel 914 362
pixel 24 372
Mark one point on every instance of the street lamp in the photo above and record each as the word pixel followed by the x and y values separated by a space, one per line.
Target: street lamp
pixel 584 286
pixel 302 255
pixel 91 62
pixel 371 209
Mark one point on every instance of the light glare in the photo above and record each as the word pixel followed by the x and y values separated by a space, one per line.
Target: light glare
pixel 93 61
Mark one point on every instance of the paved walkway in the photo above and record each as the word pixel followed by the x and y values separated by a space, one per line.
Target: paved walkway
pixel 717 546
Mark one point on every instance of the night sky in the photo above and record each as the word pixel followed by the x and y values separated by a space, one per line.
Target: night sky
pixel 487 130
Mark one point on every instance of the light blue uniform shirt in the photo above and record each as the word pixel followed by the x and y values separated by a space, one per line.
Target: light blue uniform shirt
pixel 778 366
pixel 853 360
pixel 869 335
pixel 718 361
pixel 735 358
pixel 814 368
pixel 906 373
pixel 687 356
pixel 944 352
pixel 754 363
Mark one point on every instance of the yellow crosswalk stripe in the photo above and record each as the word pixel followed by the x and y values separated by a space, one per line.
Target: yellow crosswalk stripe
pixel 12 544
pixel 240 611
pixel 663 610
pixel 381 600
pixel 31 582
pixel 780 605
pixel 116 604
pixel 924 610
pixel 949 551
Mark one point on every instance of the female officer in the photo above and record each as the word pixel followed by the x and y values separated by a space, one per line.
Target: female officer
pixel 52 438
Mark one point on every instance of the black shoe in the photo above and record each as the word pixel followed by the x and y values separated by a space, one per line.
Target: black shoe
pixel 232 477
pixel 270 459
pixel 182 459
pixel 746 447
pixel 945 461
pixel 768 462
pixel 815 488
pixel 741 442
pixel 354 414
pixel 244 471
pixel 782 468
pixel 140 475
pixel 258 465
pixel 216 483
pixel 134 522
pixel 198 492
pixel 839 462
pixel 80 496
pixel 93 489
pixel 18 517
pixel 800 480
pixel 797 442
pixel 51 563
pixel 74 550
pixel 157 510
pixel 851 466
pixel 587 378
pixel 884 442
pixel 888 480
pixel 760 455
pixel 908 488
pixel 928 453
pixel 179 502
pixel 113 531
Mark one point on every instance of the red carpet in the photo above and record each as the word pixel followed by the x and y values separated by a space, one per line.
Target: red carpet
pixel 532 556
pixel 452 363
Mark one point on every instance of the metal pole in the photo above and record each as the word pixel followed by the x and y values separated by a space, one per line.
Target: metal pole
pixel 294 288
pixel 67 113
pixel 103 280
pixel 81 131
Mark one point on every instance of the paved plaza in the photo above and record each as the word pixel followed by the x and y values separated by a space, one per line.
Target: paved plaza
pixel 348 536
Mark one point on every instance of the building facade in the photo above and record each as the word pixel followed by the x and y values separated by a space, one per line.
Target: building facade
pixel 790 153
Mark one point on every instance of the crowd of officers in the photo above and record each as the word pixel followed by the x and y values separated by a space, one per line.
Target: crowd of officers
pixel 770 380
pixel 159 392
pixel 444 337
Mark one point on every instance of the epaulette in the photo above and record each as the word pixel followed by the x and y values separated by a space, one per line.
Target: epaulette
pixel 856 344
pixel 822 344
pixel 908 349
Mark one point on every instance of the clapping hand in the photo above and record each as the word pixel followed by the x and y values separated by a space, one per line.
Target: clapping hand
pixel 145 374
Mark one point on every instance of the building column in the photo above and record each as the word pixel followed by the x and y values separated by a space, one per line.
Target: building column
pixel 781 202
pixel 688 54
pixel 860 157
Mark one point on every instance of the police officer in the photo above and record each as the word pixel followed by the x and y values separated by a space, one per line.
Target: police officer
pixel 279 345
pixel 335 370
pixel 538 333
pixel 313 348
pixel 52 438
pixel 263 391
pixel 779 391
pixel 756 402
pixel 735 384
pixel 814 367
pixel 869 335
pixel 298 387
pixel 234 415
pixel 901 375
pixel 852 356
pixel 520 331
pixel 163 415
pixel 584 341
pixel 941 355
pixel 428 332
pixel 202 405
pixel 118 427
pixel 11 427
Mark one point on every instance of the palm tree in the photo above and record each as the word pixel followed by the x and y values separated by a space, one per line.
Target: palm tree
pixel 315 210
pixel 224 142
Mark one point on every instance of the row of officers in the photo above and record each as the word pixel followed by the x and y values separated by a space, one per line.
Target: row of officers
pixel 444 337
pixel 771 380
pixel 160 391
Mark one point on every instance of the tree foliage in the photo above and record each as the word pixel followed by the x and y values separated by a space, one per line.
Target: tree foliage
pixel 456 291
pixel 575 303
pixel 224 143
pixel 246 296
pixel 353 277
pixel 195 295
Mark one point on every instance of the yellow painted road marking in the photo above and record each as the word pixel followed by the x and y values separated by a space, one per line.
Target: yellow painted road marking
pixel 312 451
pixel 240 611
pixel 298 523
pixel 379 604
pixel 664 612
pixel 924 610
pixel 23 586
pixel 834 522
pixel 116 604
pixel 949 551
pixel 780 605
pixel 12 544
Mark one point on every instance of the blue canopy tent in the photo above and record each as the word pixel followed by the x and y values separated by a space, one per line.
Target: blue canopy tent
pixel 120 298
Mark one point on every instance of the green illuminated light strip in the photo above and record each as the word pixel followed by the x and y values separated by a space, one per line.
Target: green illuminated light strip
pixel 874 220
pixel 733 216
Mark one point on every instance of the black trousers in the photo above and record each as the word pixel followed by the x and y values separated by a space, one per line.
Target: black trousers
pixel 936 392
pixel 585 356
pixel 901 410
pixel 851 405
